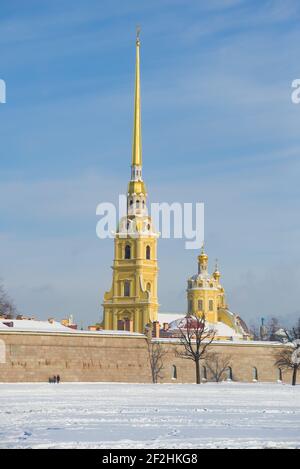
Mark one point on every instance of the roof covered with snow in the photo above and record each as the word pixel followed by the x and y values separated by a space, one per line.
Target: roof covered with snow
pixel 33 325
pixel 176 320
pixel 26 325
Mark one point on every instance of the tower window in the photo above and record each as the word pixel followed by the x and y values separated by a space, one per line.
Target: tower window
pixel 200 305
pixel 131 202
pixel 148 252
pixel 127 288
pixel 174 372
pixel 127 252
pixel 137 204
pixel 149 287
pixel 190 306
pixel 211 305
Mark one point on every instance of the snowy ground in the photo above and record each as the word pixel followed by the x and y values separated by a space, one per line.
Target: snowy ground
pixel 104 415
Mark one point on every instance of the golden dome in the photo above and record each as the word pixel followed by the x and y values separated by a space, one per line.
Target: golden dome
pixel 217 273
pixel 203 258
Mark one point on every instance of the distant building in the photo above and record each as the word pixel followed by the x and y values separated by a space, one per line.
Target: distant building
pixel 69 322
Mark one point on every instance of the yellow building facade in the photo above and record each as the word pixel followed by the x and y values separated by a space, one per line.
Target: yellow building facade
pixel 131 303
pixel 206 295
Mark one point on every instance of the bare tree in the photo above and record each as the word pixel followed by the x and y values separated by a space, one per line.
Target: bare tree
pixel 195 338
pixel 289 358
pixel 273 327
pixel 217 364
pixel 156 354
pixel 294 334
pixel 254 331
pixel 7 307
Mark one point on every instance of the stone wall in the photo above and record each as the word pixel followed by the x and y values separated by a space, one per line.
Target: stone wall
pixel 33 356
pixel 245 356
pixel 75 357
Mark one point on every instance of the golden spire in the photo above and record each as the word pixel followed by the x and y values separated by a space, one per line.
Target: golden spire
pixel 137 128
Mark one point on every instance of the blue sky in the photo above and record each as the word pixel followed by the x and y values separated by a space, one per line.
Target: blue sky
pixel 219 126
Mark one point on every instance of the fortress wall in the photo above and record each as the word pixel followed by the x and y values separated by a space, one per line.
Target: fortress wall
pixel 33 356
pixel 75 357
pixel 244 357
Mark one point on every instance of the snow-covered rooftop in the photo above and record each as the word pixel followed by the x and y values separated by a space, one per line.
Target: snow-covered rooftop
pixel 26 325
pixel 33 325
pixel 174 320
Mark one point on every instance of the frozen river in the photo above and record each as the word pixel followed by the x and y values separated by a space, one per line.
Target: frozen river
pixel 104 415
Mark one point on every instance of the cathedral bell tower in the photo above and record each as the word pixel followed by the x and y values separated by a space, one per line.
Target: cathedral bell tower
pixel 132 303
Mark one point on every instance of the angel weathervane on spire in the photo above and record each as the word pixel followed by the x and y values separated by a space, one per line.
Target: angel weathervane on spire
pixel 138 30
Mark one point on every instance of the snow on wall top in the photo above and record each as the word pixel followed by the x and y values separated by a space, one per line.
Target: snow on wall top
pixel 25 325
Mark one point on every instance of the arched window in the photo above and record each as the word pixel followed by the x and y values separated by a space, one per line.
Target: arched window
pixel 149 286
pixel 211 305
pixel 174 372
pixel 148 252
pixel 137 204
pixel 229 375
pixel 126 288
pixel 204 373
pixel 255 374
pixel 190 306
pixel 127 252
pixel 200 305
pixel 279 375
pixel 131 202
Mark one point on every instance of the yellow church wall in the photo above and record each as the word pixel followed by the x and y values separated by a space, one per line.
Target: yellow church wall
pixel 140 306
pixel 195 295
